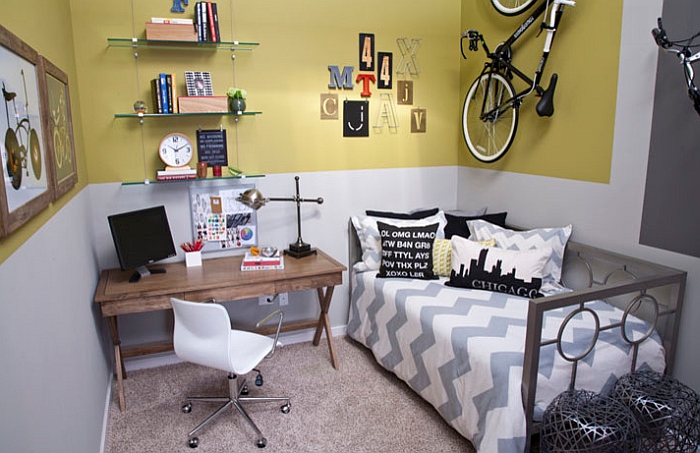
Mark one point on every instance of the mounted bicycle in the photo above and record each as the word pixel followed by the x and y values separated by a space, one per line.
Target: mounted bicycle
pixel 491 106
pixel 682 49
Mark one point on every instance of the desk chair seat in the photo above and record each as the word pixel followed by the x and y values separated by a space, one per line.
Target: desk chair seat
pixel 203 335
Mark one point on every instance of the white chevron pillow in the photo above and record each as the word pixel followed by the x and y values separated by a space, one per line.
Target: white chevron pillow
pixel 554 238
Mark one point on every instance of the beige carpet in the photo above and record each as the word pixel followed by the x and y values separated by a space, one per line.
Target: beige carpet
pixel 358 408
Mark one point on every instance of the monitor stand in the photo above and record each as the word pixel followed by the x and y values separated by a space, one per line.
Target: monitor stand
pixel 143 271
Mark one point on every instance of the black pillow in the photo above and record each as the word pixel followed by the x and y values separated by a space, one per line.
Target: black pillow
pixel 457 225
pixel 413 215
pixel 407 252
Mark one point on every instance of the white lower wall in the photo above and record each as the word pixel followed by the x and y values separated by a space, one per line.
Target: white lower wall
pixel 54 371
pixel 605 215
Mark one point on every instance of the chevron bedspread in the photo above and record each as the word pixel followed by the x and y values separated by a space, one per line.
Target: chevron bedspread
pixel 462 350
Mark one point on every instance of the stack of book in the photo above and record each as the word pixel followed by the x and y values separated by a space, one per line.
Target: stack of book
pixel 258 263
pixel 176 175
pixel 207 19
pixel 164 91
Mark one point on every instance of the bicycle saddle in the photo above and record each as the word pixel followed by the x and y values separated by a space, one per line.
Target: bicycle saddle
pixel 546 105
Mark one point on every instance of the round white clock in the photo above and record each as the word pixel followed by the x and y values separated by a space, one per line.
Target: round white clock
pixel 176 150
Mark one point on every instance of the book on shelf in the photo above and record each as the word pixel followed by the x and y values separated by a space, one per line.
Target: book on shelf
pixel 257 262
pixel 168 177
pixel 207 20
pixel 169 86
pixel 177 171
pixel 163 92
pixel 155 91
pixel 171 20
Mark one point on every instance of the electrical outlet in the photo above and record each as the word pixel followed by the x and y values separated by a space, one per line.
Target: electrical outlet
pixel 266 300
pixel 283 299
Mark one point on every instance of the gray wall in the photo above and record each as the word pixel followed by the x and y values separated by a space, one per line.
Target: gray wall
pixel 54 375
pixel 606 215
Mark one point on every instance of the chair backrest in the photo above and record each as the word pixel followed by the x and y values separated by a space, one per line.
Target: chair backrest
pixel 201 334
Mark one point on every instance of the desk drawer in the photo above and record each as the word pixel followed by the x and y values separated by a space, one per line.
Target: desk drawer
pixel 232 293
pixel 137 305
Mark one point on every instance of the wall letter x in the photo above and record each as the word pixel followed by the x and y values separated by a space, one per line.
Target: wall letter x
pixel 408 56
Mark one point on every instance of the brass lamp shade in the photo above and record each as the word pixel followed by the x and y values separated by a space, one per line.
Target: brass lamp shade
pixel 253 198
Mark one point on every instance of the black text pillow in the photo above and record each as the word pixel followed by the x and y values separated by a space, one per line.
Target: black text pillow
pixel 407 252
pixel 495 269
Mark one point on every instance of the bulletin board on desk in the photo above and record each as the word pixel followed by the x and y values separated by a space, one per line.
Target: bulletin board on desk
pixel 218 219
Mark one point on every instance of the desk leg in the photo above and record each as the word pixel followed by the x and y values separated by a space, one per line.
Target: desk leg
pixel 324 298
pixel 118 361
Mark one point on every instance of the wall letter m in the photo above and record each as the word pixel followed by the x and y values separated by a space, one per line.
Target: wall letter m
pixel 338 80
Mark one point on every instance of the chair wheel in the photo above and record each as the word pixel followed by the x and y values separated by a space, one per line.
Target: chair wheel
pixel 193 443
pixel 261 442
pixel 259 380
pixel 187 408
pixel 244 390
pixel 286 408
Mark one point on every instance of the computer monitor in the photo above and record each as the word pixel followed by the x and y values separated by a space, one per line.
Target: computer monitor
pixel 141 238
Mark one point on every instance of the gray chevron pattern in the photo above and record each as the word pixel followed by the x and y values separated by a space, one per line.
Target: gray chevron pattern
pixel 462 351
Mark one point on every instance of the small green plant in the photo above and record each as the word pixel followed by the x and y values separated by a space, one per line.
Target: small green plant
pixel 236 93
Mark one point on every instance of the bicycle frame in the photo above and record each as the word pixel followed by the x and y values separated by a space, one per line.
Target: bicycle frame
pixel 501 58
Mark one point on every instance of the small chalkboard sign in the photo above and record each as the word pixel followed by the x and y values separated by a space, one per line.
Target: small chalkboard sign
pixel 211 147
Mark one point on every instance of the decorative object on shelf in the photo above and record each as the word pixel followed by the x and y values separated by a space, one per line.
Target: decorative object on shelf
pixel 203 104
pixel 170 32
pixel 202 169
pixel 140 107
pixel 176 151
pixel 177 6
pixel 233 171
pixel 211 147
pixel 581 421
pixel 668 411
pixel 216 170
pixel 26 186
pixel 199 83
pixel 236 99
pixel 58 124
pixel 254 199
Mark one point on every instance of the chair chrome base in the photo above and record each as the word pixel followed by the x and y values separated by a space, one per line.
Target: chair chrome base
pixel 234 399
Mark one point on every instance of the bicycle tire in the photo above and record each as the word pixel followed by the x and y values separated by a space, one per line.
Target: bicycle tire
pixel 489 138
pixel 35 153
pixel 512 7
pixel 14 159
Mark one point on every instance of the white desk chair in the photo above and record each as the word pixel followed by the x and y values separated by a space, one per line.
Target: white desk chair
pixel 203 335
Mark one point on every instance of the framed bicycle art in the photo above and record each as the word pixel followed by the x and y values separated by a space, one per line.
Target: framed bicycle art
pixel 59 127
pixel 26 186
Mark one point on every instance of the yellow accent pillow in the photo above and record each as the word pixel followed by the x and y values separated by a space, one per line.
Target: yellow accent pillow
pixel 442 255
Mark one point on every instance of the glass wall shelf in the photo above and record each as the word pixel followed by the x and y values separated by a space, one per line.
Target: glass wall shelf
pixel 160 44
pixel 174 115
pixel 196 180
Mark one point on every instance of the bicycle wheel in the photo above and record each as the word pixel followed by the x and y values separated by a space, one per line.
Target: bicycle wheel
pixel 35 153
pixel 512 7
pixel 489 121
pixel 14 158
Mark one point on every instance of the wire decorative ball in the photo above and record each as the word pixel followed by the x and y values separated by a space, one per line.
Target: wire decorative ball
pixel 667 410
pixel 579 421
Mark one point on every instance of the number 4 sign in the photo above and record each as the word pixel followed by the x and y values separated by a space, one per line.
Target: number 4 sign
pixel 366 52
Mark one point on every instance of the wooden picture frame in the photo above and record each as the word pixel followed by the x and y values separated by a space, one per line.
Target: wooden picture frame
pixel 58 126
pixel 26 187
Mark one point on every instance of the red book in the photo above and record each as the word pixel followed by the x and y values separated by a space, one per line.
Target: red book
pixel 212 26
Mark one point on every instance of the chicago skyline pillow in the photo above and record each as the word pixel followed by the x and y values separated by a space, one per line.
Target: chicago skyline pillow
pixel 496 269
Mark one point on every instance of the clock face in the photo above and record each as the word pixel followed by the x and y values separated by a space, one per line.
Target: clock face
pixel 176 150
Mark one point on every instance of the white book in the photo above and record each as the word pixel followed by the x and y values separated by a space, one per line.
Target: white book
pixel 173 20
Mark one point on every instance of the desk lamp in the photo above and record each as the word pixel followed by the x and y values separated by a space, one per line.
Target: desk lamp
pixel 254 199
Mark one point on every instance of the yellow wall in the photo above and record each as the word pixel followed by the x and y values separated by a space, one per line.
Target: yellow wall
pixel 46 25
pixel 575 143
pixel 284 77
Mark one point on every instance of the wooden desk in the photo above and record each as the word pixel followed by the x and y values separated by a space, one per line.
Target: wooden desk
pixel 219 278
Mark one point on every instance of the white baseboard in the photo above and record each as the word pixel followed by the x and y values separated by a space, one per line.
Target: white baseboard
pixel 169 358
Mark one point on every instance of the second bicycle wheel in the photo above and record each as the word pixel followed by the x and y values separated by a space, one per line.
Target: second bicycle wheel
pixel 489 118
pixel 512 7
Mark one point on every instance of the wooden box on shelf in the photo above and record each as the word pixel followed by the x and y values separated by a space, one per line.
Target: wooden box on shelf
pixel 199 104
pixel 170 32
